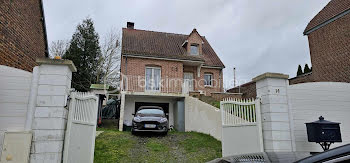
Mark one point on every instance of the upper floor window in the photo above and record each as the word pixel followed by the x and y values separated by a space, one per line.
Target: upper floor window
pixel 194 49
pixel 208 79
pixel 153 78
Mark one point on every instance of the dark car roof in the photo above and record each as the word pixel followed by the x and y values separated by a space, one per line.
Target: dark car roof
pixel 284 157
pixel 327 155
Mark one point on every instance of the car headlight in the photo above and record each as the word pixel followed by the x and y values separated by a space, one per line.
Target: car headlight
pixel 137 119
pixel 163 120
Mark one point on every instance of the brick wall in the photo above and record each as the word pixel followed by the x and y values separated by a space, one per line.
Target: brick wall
pixel 248 90
pixel 169 69
pixel 330 51
pixel 220 96
pixel 301 79
pixel 22 36
pixel 199 81
pixel 172 70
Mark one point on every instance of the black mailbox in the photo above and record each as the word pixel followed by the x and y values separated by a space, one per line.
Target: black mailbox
pixel 323 132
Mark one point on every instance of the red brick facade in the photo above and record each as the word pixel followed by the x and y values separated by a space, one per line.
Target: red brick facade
pixel 330 51
pixel 301 79
pixel 171 75
pixel 22 33
pixel 171 53
pixel 248 90
pixel 221 96
pixel 217 85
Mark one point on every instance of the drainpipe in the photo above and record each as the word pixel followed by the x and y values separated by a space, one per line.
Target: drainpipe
pixel 44 29
pixel 220 75
pixel 126 65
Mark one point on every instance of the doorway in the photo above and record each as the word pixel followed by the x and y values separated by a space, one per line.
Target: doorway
pixel 188 82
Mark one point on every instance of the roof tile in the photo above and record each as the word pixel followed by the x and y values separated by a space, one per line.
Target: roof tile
pixel 332 9
pixel 164 45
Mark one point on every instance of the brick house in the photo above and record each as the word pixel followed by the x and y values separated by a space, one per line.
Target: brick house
pixel 329 42
pixel 161 68
pixel 22 33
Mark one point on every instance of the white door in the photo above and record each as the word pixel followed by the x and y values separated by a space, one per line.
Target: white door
pixel 188 82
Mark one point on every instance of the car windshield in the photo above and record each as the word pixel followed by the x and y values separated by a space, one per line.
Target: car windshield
pixel 151 111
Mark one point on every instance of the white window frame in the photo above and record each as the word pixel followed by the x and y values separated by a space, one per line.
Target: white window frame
pixel 211 79
pixel 152 83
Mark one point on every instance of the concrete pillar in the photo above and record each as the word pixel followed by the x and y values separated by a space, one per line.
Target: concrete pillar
pixel 122 106
pixel 272 89
pixel 50 112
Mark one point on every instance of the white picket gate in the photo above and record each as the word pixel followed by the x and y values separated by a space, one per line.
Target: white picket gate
pixel 79 142
pixel 241 126
pixel 238 112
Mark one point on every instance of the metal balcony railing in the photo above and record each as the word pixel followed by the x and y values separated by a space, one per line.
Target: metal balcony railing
pixel 132 83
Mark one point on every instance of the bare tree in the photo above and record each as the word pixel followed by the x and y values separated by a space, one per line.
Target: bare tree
pixel 58 48
pixel 109 62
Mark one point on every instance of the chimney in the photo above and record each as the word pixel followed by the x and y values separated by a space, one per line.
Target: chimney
pixel 130 25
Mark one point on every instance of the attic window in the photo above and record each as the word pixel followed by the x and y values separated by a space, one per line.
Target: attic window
pixel 194 49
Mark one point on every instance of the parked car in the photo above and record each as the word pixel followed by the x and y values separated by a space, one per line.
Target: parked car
pixel 339 154
pixel 150 119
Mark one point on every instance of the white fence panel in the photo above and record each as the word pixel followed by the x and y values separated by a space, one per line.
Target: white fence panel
pixel 238 112
pixel 81 129
pixel 202 117
pixel 241 126
pixel 308 101
pixel 14 96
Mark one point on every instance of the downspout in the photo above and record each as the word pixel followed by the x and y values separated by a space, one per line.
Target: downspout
pixel 44 29
pixel 221 81
pixel 126 65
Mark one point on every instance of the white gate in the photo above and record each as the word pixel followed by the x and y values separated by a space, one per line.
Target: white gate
pixel 241 126
pixel 79 142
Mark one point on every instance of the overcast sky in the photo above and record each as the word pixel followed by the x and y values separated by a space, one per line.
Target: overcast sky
pixel 255 36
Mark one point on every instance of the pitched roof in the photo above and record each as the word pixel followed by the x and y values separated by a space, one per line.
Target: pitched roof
pixel 332 9
pixel 164 45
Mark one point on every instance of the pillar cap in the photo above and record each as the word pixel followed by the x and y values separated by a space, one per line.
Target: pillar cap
pixel 270 75
pixel 49 61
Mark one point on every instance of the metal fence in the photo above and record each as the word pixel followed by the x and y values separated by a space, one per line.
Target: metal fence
pixel 134 83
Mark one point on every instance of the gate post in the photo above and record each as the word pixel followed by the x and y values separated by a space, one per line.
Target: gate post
pixel 50 113
pixel 277 133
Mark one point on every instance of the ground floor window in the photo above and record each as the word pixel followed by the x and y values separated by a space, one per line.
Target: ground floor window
pixel 208 79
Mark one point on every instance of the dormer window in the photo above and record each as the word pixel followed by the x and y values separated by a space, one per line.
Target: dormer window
pixel 194 49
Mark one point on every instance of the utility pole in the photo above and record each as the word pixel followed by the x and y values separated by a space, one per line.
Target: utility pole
pixel 234 77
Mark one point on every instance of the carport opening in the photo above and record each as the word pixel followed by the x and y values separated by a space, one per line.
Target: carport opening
pixel 165 106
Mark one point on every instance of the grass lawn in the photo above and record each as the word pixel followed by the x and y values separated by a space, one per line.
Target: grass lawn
pixel 114 146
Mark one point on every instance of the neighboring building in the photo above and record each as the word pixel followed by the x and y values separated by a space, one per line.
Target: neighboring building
pixel 329 41
pixel 160 68
pixel 248 90
pixel 22 33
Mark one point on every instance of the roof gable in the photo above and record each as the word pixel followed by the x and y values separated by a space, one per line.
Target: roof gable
pixel 165 45
pixel 195 34
pixel 331 10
